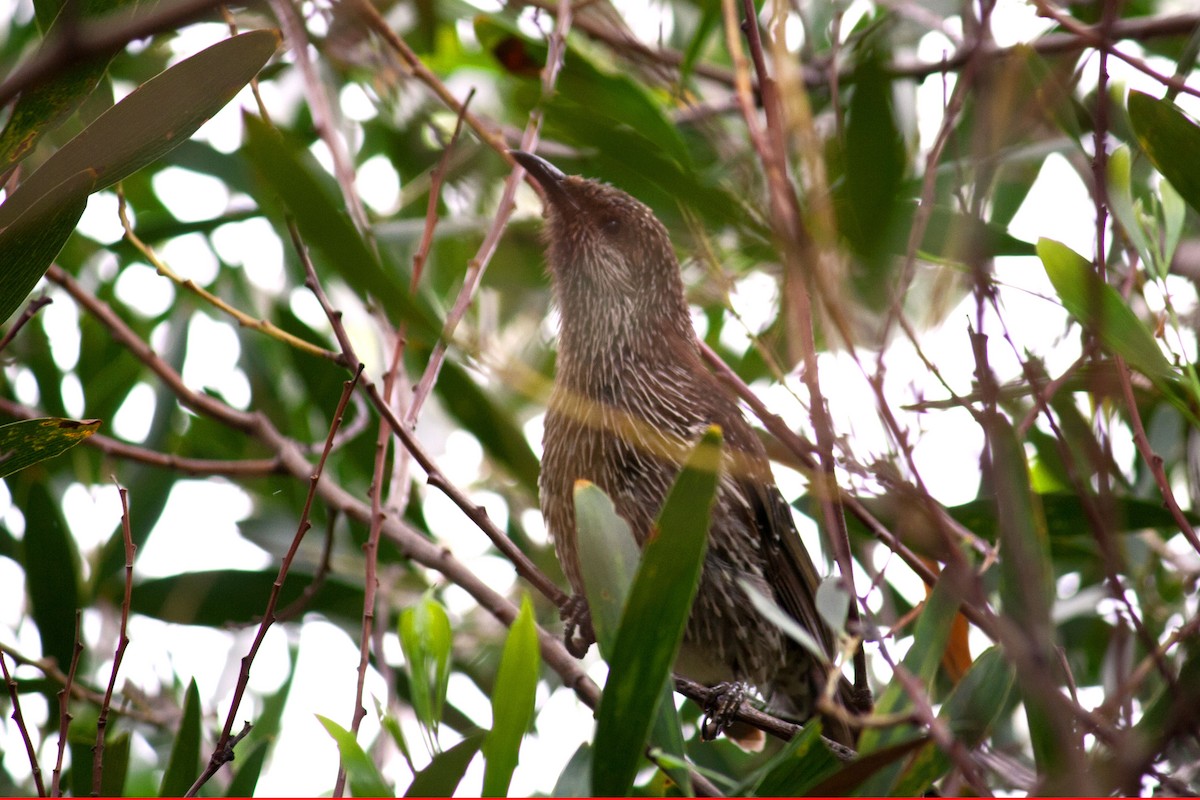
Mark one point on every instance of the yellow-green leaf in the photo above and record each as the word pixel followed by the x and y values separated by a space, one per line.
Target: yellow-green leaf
pixel 32 440
pixel 1098 306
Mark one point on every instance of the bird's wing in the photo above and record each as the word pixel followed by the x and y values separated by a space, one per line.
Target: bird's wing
pixel 790 569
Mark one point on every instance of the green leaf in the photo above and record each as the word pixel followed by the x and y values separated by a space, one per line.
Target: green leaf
pixel 247 769
pixel 364 778
pixel 1027 592
pixel 445 772
pixel 1171 140
pixel 1120 200
pixel 286 170
pixel 833 603
pixel 576 778
pixel 607 547
pixel 1027 576
pixel 31 242
pixel 653 622
pixel 512 701
pixel 183 765
pixel 1098 306
pixel 921 661
pixel 40 107
pixel 116 765
pixel 802 763
pixel 874 170
pixel 611 556
pixel 783 620
pixel 51 561
pixel 151 121
pixel 32 440
pixel 969 713
pixel 223 597
pixel 426 638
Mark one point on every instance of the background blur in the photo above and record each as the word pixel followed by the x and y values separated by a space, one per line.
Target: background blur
pixel 1016 416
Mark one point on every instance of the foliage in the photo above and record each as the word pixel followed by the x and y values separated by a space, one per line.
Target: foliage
pixel 846 184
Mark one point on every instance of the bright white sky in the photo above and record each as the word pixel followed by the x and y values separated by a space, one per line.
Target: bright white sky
pixel 203 516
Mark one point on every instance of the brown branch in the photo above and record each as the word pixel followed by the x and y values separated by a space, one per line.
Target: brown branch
pixel 11 683
pixel 371 564
pixel 50 668
pixel 491 240
pixel 35 305
pixel 434 476
pixel 296 36
pixel 249 468
pixel 64 710
pixel 484 130
pixel 820 75
pixel 223 751
pixel 122 642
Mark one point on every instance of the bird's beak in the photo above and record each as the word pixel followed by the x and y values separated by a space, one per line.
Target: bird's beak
pixel 548 176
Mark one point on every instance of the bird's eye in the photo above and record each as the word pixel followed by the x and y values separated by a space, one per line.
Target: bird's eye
pixel 611 225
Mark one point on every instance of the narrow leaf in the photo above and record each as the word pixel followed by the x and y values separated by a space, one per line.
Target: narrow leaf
pixel 289 172
pixel 32 440
pixel 922 660
pixel 1171 140
pixel 802 763
pixel 445 772
pixel 248 769
pixel 969 713
pixel 512 702
pixel 607 547
pixel 51 560
pixel 31 242
pixel 364 778
pixel 183 765
pixel 652 626
pixel 150 122
pixel 1098 306
pixel 37 218
pixel 41 107
pixel 426 638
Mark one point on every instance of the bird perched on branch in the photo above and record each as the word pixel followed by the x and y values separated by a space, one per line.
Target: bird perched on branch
pixel 630 398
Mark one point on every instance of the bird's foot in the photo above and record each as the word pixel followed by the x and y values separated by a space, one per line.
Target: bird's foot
pixel 723 704
pixel 578 633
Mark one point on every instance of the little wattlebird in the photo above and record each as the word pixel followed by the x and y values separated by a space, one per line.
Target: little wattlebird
pixel 630 398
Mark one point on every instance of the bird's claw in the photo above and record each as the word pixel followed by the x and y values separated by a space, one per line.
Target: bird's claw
pixel 723 704
pixel 578 633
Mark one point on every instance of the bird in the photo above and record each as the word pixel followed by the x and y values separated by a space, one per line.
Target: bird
pixel 631 396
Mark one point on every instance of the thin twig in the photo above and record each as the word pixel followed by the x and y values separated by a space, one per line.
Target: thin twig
pixel 434 476
pixel 296 36
pixel 11 684
pixel 243 319
pixel 477 265
pixel 64 708
pixel 1099 37
pixel 223 751
pixel 35 305
pixel 122 642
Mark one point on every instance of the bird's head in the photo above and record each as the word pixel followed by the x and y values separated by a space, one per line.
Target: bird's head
pixel 603 244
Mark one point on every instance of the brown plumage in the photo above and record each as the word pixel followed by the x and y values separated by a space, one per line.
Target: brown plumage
pixel 630 399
